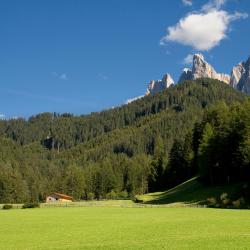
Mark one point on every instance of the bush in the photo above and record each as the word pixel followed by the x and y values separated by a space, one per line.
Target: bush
pixel 117 195
pixel 211 202
pixel 240 203
pixel 223 196
pixel 112 195
pixel 89 196
pixel 137 200
pixel 123 195
pixel 226 203
pixel 31 205
pixel 7 206
pixel 236 204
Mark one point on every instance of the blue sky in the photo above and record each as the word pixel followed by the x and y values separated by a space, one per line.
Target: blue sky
pixel 82 56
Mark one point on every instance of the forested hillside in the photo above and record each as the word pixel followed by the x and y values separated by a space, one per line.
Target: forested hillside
pixel 150 144
pixel 65 130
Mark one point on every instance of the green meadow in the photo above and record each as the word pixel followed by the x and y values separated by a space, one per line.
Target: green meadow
pixel 124 228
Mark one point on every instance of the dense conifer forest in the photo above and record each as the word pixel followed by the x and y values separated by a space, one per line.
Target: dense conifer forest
pixel 197 128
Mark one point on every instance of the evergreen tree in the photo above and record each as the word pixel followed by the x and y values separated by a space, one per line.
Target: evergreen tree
pixel 74 182
pixel 158 165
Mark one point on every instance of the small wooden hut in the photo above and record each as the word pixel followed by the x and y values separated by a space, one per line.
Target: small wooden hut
pixel 57 197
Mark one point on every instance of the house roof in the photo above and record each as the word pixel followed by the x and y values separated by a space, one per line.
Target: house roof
pixel 63 196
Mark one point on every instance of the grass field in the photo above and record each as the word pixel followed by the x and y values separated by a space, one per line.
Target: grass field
pixel 124 228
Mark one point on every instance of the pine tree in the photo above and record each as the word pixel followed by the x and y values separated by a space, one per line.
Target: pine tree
pixel 205 153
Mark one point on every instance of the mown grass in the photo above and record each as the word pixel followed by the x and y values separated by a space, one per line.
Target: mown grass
pixel 124 228
pixel 188 193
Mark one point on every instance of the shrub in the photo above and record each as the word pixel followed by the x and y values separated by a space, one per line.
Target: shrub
pixel 226 202
pixel 123 195
pixel 90 196
pixel 137 200
pixel 211 202
pixel 223 196
pixel 31 205
pixel 112 195
pixel 243 203
pixel 7 206
pixel 236 204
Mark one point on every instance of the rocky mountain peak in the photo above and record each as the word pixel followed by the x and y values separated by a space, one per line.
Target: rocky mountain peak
pixel 236 74
pixel 167 80
pixel 198 57
pixel 186 75
pixel 240 76
pixel 239 79
pixel 202 69
pixel 186 70
pixel 156 86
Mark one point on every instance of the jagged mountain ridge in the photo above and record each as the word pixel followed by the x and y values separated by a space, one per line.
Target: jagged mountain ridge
pixel 202 69
pixel 156 86
pixel 239 78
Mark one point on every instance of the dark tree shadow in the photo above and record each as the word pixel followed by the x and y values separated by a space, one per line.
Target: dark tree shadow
pixel 191 191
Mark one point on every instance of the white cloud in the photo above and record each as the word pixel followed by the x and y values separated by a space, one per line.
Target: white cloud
pixel 205 29
pixel 188 59
pixel 238 15
pixel 213 5
pixel 187 2
pixel 133 99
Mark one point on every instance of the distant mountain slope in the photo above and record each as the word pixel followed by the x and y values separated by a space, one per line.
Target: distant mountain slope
pixel 170 114
pixel 66 131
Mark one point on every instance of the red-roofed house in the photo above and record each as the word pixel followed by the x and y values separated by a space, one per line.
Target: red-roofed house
pixel 54 197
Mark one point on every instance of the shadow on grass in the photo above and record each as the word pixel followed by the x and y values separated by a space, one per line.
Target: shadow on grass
pixel 189 192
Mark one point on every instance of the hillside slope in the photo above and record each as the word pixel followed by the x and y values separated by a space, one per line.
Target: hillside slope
pixel 190 192
pixel 66 131
pixel 170 114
